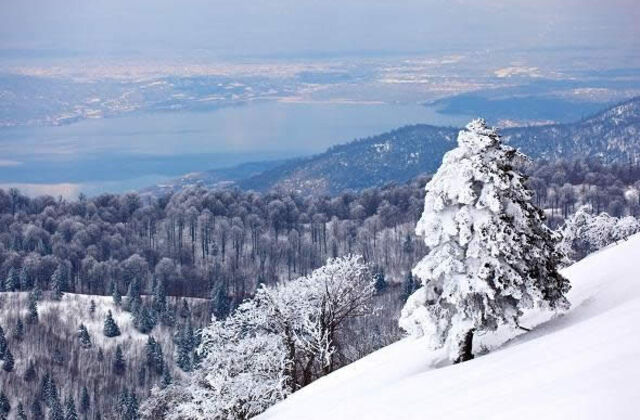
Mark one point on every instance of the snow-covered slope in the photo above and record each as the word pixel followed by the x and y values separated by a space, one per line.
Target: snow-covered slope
pixel 583 365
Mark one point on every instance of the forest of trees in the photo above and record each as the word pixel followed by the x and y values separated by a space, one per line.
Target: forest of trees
pixel 145 253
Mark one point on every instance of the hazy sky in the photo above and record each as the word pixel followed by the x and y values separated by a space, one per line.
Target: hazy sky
pixel 309 27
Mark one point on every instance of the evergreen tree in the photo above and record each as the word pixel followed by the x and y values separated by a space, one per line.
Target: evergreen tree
pixel 409 286
pixel 20 413
pixel 169 316
pixel 70 409
pixel 184 312
pixel 110 327
pixel 8 364
pixel 119 364
pixel 3 344
pixel 100 355
pixel 36 410
pixel 32 316
pixel 142 376
pixel 491 255
pixel 56 411
pixel 45 384
pixel 30 373
pixel 51 395
pixel 5 406
pixel 143 320
pixel 186 342
pixel 159 303
pixel 12 281
pixel 131 407
pixel 183 356
pixel 134 301
pixel 221 302
pixel 25 280
pixel 407 245
pixel 83 337
pixel 155 359
pixel 115 294
pixel 380 283
pixel 58 356
pixel 123 402
pixel 166 376
pixel 58 280
pixel 18 330
pixel 37 292
pixel 85 401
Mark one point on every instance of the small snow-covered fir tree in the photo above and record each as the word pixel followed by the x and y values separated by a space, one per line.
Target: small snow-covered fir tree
pixel 5 405
pixel 83 337
pixel 58 280
pixel 9 363
pixel 110 327
pixel 119 364
pixel 12 281
pixel 491 256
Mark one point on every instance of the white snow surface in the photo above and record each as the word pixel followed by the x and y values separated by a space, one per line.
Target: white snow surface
pixel 581 365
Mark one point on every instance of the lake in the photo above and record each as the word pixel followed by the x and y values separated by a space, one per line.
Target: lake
pixel 139 149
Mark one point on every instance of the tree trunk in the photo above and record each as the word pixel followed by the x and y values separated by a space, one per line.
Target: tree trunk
pixel 466 348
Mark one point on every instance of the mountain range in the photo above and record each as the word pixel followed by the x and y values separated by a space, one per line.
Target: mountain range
pixel 404 153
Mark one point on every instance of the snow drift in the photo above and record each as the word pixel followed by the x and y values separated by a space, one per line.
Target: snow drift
pixel 584 364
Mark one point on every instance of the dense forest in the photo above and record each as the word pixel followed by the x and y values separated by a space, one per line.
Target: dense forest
pixel 164 265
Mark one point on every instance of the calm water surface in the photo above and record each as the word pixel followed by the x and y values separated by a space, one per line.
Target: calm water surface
pixel 139 149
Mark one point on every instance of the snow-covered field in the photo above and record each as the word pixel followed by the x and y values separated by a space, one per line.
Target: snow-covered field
pixel 583 365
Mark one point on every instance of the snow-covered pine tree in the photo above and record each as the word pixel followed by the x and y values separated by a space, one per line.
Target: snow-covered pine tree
pixel 119 364
pixel 70 409
pixel 159 303
pixel 83 337
pixel 85 401
pixel 115 294
pixel 134 301
pixel 4 346
pixel 8 363
pixel 36 410
pixel 155 359
pixel 110 327
pixel 5 405
pixel 12 281
pixel 491 256
pixel 143 319
pixel 56 411
pixel 20 413
pixel 30 373
pixel 25 279
pixel 58 280
pixel 32 316
pixel 18 330
pixel 166 376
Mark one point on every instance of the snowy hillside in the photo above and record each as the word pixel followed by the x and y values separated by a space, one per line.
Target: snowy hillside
pixel 585 364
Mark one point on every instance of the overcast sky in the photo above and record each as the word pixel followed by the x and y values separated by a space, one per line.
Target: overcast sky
pixel 309 27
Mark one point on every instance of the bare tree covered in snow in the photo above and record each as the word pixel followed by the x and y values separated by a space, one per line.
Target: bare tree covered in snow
pixel 271 345
pixel 584 233
pixel 491 256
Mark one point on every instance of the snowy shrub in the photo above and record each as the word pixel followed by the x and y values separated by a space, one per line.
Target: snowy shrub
pixel 584 233
pixel 491 256
pixel 271 345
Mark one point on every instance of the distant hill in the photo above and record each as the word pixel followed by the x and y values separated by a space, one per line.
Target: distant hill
pixel 216 178
pixel 402 154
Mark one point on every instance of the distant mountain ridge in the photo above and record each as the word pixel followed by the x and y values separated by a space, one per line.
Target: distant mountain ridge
pixel 407 152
